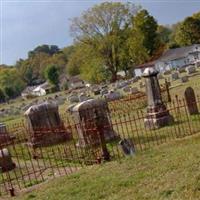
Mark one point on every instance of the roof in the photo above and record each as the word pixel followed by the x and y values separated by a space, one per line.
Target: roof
pixel 145 65
pixel 173 54
pixel 28 89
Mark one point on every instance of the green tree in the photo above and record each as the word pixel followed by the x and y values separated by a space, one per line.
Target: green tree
pixel 2 96
pixel 146 26
pixel 52 75
pixel 101 29
pixel 188 32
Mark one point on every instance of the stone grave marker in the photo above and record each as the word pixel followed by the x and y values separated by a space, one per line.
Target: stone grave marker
pixel 191 101
pixel 175 76
pixel 93 120
pixel 190 69
pixel 184 79
pixel 5 138
pixel 112 95
pixel 73 98
pixel 6 163
pixel 44 125
pixel 157 113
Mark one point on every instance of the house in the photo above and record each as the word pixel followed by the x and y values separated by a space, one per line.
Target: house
pixel 76 82
pixel 178 58
pixel 173 59
pixel 42 89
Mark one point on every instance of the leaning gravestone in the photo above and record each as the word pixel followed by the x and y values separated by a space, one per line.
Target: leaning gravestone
pixel 191 101
pixel 92 121
pixel 45 126
pixel 6 162
pixel 175 76
pixel 190 69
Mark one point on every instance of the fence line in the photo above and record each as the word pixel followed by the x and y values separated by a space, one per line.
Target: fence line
pixel 35 164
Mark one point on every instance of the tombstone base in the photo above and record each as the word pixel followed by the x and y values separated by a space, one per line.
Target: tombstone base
pixel 50 139
pixel 95 140
pixel 155 123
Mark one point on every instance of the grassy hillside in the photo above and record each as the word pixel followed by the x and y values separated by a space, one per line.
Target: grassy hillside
pixel 170 171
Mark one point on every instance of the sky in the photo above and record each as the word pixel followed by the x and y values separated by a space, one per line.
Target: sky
pixel 25 24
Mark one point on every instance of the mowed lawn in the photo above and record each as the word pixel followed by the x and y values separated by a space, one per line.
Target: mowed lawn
pixel 170 171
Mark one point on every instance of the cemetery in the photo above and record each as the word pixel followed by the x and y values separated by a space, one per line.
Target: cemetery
pixel 53 140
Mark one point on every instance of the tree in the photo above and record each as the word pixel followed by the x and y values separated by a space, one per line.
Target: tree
pixel 164 33
pixel 2 96
pixel 101 29
pixel 52 75
pixel 146 26
pixel 188 32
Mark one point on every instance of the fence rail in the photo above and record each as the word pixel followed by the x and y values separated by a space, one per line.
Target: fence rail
pixel 37 163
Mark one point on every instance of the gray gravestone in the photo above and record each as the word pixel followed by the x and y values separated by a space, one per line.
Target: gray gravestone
pixel 6 162
pixel 92 119
pixel 190 69
pixel 112 95
pixel 157 113
pixel 184 79
pixel 45 126
pixel 191 101
pixel 73 98
pixel 175 76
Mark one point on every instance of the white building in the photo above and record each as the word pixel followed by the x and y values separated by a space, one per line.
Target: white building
pixel 173 59
pixel 178 57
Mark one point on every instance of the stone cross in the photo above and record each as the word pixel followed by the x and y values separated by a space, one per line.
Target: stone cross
pixel 191 101
pixel 157 113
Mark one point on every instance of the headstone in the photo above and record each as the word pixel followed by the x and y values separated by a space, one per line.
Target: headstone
pixel 191 101
pixel 112 95
pixel 92 120
pixel 184 79
pixel 103 92
pixel 175 76
pixel 6 162
pixel 73 98
pixel 190 69
pixel 181 70
pixel 127 89
pixel 134 90
pixel 127 146
pixel 45 126
pixel 5 138
pixel 157 113
pixel 83 97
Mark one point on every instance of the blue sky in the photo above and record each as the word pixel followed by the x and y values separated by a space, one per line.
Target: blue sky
pixel 26 24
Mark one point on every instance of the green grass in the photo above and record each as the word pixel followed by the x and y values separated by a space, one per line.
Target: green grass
pixel 170 171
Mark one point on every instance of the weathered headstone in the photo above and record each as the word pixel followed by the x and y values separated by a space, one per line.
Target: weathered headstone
pixel 157 113
pixel 6 162
pixel 112 95
pixel 73 98
pixel 93 120
pixel 5 138
pixel 83 97
pixel 134 90
pixel 45 126
pixel 191 101
pixel 190 69
pixel 175 76
pixel 127 88
pixel 184 79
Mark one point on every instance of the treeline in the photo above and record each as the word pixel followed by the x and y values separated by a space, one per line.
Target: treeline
pixel 108 38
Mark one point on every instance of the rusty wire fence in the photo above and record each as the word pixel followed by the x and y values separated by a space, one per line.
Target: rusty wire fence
pixel 87 142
